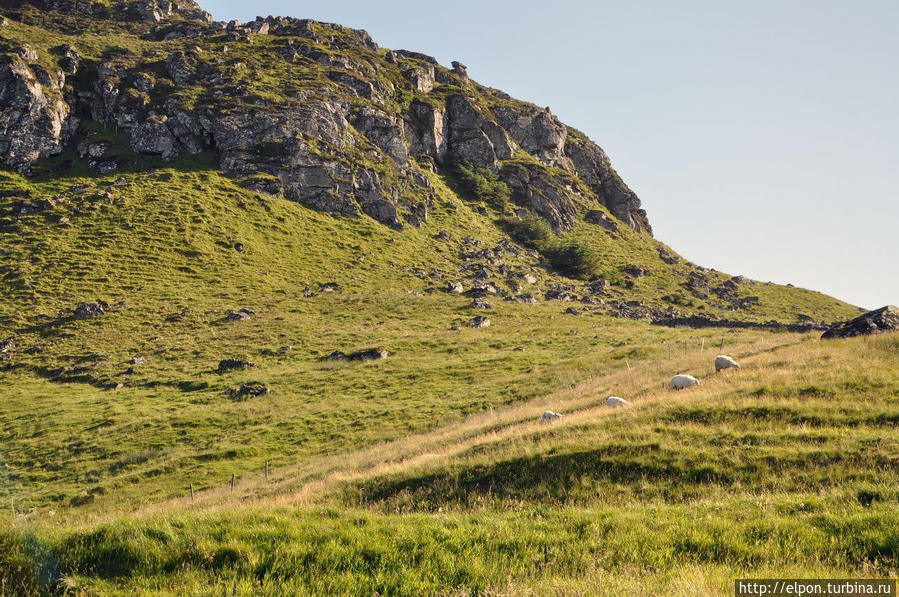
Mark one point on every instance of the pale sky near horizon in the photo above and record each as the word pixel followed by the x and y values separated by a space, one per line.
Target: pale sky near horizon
pixel 762 136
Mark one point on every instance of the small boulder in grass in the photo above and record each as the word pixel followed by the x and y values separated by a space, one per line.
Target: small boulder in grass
pixel 369 354
pixel 479 322
pixel 90 310
pixel 240 315
pixel 245 391
pixel 226 365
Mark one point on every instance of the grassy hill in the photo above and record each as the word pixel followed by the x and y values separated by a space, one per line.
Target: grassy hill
pixel 135 396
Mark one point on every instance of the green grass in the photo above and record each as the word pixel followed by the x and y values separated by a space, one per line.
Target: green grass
pixel 647 549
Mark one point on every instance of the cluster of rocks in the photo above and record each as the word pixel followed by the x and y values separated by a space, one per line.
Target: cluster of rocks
pixel 239 315
pixel 90 310
pixel 709 321
pixel 885 319
pixel 369 354
pixel 700 285
pixel 244 391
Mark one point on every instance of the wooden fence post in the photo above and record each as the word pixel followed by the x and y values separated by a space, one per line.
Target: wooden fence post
pixel 232 481
pixel 191 492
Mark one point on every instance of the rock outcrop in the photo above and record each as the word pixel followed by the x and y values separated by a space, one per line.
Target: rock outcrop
pixel 885 319
pixel 348 131
pixel 34 121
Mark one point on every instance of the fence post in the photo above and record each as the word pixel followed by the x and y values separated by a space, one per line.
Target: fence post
pixel 702 346
pixel 191 492
pixel 266 470
pixel 232 481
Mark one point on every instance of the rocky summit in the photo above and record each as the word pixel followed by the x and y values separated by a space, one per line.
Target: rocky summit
pixel 316 112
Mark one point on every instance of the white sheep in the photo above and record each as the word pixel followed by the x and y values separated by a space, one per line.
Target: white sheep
pixel 680 382
pixel 725 362
pixel 615 401
pixel 549 416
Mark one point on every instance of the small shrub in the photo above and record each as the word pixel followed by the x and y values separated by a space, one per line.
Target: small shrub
pixel 532 232
pixel 483 184
pixel 574 258
pixel 678 299
pixel 866 497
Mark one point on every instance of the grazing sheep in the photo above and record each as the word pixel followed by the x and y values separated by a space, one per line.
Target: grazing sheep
pixel 679 382
pixel 615 401
pixel 549 416
pixel 725 362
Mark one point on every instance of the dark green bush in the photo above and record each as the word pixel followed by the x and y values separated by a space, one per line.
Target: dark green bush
pixel 532 232
pixel 573 258
pixel 481 184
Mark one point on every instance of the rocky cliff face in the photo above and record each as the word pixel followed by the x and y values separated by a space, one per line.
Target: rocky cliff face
pixel 316 112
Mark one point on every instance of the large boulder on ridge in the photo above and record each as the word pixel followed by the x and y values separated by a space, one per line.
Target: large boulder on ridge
pixel 885 319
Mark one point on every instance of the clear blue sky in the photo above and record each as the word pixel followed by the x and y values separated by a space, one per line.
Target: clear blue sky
pixel 762 136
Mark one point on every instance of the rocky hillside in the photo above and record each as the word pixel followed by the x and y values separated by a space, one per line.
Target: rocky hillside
pixel 98 97
pixel 312 111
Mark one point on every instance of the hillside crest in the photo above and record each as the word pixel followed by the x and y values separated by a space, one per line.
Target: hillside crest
pixel 312 111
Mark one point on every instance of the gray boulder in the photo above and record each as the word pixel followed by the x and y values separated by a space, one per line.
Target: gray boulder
pixel 90 310
pixel 885 319
pixel 480 321
pixel 240 315
pixel 537 132
pixel 545 193
pixel 385 132
pixel 32 125
pixel 599 217
pixel 593 166
pixel 181 67
pixel 474 137
pixel 226 365
pixel 154 137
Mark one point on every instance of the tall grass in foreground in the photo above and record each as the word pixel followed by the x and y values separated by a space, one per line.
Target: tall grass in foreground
pixel 647 548
pixel 802 441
